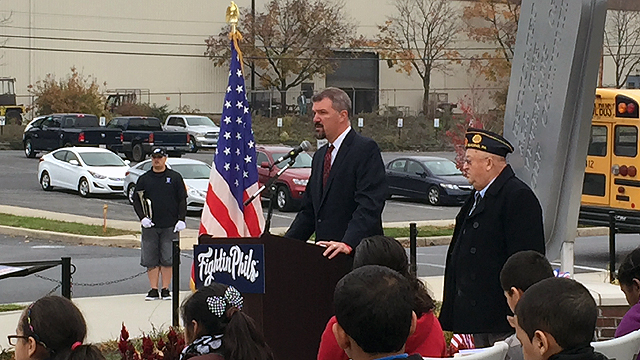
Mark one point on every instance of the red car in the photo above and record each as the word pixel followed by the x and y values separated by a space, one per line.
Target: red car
pixel 292 183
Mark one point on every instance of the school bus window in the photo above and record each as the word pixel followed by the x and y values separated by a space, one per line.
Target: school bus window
pixel 626 141
pixel 598 141
pixel 594 184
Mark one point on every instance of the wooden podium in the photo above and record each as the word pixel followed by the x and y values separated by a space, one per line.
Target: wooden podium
pixel 298 293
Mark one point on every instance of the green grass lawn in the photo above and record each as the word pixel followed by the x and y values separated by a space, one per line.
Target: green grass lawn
pixel 10 307
pixel 60 226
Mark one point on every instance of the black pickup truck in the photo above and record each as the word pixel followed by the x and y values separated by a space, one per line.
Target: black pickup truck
pixel 57 130
pixel 141 134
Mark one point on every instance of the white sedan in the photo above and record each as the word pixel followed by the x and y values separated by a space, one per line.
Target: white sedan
pixel 85 169
pixel 195 174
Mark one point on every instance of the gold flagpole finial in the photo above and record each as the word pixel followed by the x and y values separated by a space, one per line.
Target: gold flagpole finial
pixel 233 13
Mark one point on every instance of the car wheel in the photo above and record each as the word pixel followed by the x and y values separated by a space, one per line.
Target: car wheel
pixel 137 153
pixel 28 149
pixel 83 188
pixel 283 198
pixel 45 181
pixel 131 191
pixel 433 195
pixel 192 145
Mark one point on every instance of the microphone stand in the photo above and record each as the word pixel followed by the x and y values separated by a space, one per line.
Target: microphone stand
pixel 272 187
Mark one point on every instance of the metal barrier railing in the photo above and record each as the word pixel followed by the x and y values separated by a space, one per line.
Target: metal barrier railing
pixel 27 268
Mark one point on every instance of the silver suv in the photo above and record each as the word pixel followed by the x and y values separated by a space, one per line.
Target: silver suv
pixel 203 132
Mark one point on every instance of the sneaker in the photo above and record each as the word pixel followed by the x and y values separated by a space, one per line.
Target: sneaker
pixel 166 295
pixel 153 295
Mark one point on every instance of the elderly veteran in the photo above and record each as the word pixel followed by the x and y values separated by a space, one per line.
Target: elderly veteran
pixel 503 216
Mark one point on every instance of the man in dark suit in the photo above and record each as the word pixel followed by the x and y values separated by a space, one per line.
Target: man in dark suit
pixel 503 216
pixel 347 189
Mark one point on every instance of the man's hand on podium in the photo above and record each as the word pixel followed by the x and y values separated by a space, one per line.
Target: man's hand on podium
pixel 334 248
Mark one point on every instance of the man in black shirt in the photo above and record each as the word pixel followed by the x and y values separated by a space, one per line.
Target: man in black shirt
pixel 160 202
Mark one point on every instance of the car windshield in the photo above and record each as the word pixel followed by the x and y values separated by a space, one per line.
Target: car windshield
pixel 302 161
pixel 192 171
pixel 442 167
pixel 199 121
pixel 101 159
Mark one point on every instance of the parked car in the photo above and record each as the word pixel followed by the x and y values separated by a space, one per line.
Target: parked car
pixel 203 132
pixel 140 134
pixel 55 131
pixel 435 179
pixel 87 170
pixel 291 185
pixel 194 172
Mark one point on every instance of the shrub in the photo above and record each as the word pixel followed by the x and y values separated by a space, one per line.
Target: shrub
pixel 75 93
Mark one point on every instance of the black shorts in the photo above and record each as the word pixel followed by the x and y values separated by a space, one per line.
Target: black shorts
pixel 156 249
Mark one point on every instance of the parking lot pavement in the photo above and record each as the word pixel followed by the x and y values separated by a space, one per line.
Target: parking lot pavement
pixel 19 186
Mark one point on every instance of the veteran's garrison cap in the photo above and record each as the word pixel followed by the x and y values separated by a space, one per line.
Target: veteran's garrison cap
pixel 488 141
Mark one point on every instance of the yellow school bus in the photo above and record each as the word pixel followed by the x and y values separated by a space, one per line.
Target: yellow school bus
pixel 612 179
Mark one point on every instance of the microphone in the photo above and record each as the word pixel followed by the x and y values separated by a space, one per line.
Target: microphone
pixel 304 146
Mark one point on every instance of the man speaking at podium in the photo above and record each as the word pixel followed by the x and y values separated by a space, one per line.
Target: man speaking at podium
pixel 347 189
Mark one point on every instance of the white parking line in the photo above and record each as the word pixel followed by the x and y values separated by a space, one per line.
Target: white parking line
pixel 432 265
pixel 280 216
pixel 426 207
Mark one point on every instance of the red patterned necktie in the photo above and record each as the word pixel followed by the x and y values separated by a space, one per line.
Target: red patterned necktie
pixel 327 165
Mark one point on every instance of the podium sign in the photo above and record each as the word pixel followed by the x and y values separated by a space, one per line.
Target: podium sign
pixel 239 265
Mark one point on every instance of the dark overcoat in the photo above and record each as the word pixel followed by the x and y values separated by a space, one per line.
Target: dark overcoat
pixel 506 220
pixel 349 208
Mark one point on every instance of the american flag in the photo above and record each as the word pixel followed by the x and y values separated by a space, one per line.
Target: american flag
pixel 234 174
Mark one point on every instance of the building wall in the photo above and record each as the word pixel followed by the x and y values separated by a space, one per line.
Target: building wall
pixel 159 46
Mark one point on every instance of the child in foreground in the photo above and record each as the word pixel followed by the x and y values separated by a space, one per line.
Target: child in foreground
pixel 521 270
pixel 555 320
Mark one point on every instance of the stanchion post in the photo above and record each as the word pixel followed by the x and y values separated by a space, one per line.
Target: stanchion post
pixel 175 299
pixel 66 277
pixel 612 246
pixel 413 238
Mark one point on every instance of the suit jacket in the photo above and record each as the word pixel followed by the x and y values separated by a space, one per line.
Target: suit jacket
pixel 506 220
pixel 349 207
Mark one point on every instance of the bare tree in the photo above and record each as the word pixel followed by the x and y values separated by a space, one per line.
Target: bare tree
pixel 622 42
pixel 417 38
pixel 294 41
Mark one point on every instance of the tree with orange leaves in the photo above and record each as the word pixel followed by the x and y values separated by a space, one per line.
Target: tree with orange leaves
pixel 494 22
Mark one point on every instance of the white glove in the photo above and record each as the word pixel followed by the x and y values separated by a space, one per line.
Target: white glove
pixel 180 225
pixel 146 223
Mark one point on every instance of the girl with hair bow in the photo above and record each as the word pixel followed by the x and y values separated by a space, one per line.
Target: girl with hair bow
pixel 217 329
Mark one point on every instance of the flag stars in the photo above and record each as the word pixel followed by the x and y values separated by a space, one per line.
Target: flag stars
pixel 238 136
pixel 227 135
pixel 238 151
pixel 239 89
pixel 247 159
pixel 227 151
pixel 227 104
pixel 250 143
pixel 246 109
pixel 237 183
pixel 239 120
pixel 237 167
pixel 239 105
pixel 228 89
pixel 227 166
pixel 227 120
pixel 245 174
pixel 239 73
